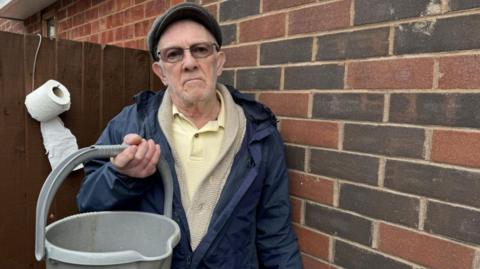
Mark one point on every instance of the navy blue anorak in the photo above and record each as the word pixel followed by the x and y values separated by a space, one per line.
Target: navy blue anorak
pixel 250 225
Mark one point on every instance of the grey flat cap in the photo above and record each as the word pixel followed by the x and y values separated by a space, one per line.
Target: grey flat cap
pixel 183 11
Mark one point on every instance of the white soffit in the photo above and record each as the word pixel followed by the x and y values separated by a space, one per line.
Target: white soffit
pixel 22 9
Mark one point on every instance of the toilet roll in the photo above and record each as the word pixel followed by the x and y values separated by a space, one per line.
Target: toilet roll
pixel 48 101
pixel 45 104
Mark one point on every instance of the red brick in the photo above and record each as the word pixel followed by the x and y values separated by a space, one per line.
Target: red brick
pixel 107 37
pixel 95 26
pixel 81 31
pixel 91 14
pixel 176 2
pixel 122 4
pixel 118 34
pixel 241 56
pixel 455 147
pixel 286 104
pixel 269 5
pixel 65 25
pixel 311 242
pixel 130 44
pixel 93 38
pixel 263 28
pixel 102 24
pixel 460 72
pixel 78 19
pixel 139 1
pixel 311 263
pixel 141 28
pixel 61 14
pixel 155 8
pixel 424 249
pixel 296 213
pixel 79 6
pixel 114 20
pixel 86 29
pixel 106 8
pixel 133 14
pixel 320 18
pixel 128 31
pixel 308 132
pixel 62 35
pixel 391 74
pixel 311 187
pixel 213 9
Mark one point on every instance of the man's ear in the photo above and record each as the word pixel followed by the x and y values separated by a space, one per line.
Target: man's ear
pixel 157 69
pixel 221 58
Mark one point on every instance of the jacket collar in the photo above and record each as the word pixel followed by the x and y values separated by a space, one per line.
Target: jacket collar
pixel 149 101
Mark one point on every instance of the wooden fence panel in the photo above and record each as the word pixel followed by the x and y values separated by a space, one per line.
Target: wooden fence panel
pixel 13 212
pixel 92 64
pixel 69 66
pixel 100 79
pixel 137 71
pixel 36 160
pixel 112 91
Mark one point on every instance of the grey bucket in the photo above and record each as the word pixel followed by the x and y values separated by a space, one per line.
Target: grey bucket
pixel 107 239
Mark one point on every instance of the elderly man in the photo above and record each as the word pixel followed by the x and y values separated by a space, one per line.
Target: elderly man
pixel 223 149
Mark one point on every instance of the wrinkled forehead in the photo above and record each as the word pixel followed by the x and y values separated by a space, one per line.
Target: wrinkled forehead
pixel 184 32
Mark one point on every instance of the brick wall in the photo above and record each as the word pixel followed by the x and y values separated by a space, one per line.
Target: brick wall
pixel 378 103
pixel 12 26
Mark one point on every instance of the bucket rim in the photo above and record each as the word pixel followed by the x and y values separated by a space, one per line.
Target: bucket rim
pixel 54 252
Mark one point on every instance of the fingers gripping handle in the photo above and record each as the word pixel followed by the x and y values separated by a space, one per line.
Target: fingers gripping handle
pixel 55 179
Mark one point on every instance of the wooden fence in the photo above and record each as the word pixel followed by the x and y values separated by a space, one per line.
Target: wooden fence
pixel 101 80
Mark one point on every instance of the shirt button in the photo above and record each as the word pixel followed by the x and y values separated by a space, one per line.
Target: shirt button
pixel 196 135
pixel 200 206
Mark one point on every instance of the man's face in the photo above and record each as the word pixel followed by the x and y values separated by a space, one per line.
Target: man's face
pixel 191 80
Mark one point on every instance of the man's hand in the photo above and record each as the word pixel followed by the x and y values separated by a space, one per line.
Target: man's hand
pixel 139 159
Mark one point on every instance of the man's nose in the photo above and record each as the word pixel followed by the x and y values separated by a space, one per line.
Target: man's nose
pixel 189 62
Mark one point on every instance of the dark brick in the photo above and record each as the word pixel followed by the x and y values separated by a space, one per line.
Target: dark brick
pixel 451 109
pixel 236 9
pixel 463 4
pixel 353 45
pixel 385 140
pixel 380 204
pixel 350 106
pixel 229 33
pixel 458 33
pixel 329 76
pixel 258 79
pixel 338 223
pixel 346 166
pixel 370 11
pixel 349 256
pixel 295 157
pixel 227 77
pixel 446 184
pixel 455 222
pixel 287 51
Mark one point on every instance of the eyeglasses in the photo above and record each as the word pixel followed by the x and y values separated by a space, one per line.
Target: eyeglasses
pixel 199 50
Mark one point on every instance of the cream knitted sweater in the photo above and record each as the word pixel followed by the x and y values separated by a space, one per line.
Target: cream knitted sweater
pixel 200 208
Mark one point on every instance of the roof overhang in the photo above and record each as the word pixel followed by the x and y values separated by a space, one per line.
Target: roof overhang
pixel 22 9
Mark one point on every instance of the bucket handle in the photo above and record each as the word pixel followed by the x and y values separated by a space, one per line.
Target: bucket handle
pixel 58 175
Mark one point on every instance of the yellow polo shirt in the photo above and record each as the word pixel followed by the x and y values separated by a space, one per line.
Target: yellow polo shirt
pixel 197 149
